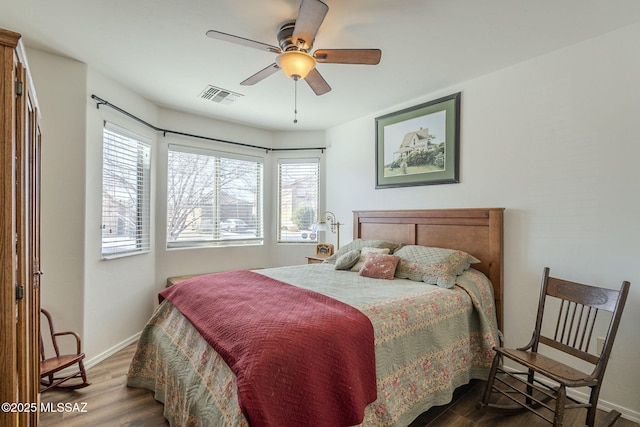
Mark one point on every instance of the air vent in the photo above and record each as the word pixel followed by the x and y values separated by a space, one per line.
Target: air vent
pixel 219 95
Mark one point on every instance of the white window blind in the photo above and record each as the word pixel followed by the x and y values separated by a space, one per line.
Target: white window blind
pixel 213 198
pixel 298 199
pixel 126 163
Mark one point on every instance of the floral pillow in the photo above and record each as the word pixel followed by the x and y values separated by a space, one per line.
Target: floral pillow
pixel 434 266
pixel 363 256
pixel 379 266
pixel 359 244
pixel 348 260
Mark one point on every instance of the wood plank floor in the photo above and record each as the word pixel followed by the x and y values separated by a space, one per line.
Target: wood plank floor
pixel 109 402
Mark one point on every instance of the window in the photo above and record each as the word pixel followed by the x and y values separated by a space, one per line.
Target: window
pixel 213 198
pixel 126 162
pixel 298 199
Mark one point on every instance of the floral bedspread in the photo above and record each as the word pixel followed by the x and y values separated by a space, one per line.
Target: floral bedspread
pixel 429 341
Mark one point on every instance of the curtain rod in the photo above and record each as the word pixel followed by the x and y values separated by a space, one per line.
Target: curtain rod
pixel 100 101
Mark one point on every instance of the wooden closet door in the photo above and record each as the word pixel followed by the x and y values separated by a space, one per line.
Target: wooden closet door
pixel 8 304
pixel 19 238
pixel 28 247
pixel 23 297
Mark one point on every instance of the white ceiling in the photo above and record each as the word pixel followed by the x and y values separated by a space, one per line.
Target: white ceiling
pixel 158 48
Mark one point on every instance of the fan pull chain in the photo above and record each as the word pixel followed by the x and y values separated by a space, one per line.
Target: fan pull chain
pixel 295 101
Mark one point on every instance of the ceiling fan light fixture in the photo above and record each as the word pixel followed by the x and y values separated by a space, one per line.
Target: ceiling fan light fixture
pixel 296 64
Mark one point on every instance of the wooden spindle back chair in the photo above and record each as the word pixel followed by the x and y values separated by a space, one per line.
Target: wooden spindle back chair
pixel 571 332
pixel 51 367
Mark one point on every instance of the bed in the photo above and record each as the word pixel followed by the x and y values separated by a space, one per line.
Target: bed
pixel 427 339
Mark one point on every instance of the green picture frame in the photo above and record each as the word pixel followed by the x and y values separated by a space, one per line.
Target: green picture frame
pixel 419 145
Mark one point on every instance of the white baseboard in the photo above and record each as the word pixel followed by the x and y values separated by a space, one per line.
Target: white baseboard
pixel 606 406
pixel 111 351
pixel 602 404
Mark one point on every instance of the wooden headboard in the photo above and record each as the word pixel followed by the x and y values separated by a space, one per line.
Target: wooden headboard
pixel 478 232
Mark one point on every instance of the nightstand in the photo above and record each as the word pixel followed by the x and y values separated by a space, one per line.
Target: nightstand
pixel 315 259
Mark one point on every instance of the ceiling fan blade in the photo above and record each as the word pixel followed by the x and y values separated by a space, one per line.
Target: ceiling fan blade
pixel 242 41
pixel 317 83
pixel 310 17
pixel 348 56
pixel 261 75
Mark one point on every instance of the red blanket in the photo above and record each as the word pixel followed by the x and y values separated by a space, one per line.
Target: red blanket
pixel 300 357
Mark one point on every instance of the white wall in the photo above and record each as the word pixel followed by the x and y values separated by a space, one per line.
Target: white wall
pixel 554 141
pixel 61 87
pixel 117 292
pixel 106 302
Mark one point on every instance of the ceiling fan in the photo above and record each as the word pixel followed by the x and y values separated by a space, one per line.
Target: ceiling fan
pixel 295 39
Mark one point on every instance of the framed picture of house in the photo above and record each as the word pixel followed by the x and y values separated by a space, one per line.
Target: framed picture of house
pixel 419 145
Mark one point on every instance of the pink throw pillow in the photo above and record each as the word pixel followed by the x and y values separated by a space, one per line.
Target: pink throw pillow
pixel 379 266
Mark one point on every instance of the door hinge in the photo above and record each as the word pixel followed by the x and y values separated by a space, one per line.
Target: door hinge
pixel 19 88
pixel 19 292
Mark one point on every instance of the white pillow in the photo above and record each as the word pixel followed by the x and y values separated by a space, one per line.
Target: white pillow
pixel 363 256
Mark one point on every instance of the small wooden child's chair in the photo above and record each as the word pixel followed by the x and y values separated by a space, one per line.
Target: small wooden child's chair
pixel 50 366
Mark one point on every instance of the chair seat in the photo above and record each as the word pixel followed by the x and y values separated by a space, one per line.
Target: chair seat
pixel 55 364
pixel 564 374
